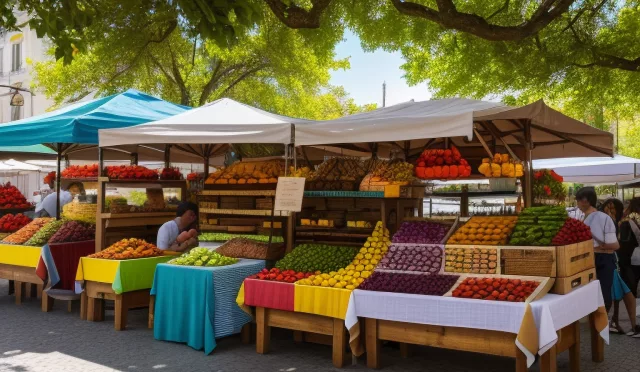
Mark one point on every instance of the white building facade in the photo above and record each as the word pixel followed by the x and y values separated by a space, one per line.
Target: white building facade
pixel 16 48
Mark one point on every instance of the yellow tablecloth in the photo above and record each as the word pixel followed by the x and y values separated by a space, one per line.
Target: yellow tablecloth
pixel 326 301
pixel 19 255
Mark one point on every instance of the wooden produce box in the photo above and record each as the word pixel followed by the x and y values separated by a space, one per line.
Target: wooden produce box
pixel 567 284
pixel 535 261
pixel 475 259
pixel 574 258
pixel 543 288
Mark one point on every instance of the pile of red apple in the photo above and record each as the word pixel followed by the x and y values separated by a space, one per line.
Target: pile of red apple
pixel 131 172
pixel 170 174
pixel 11 223
pixel 81 171
pixel 496 289
pixel 11 197
pixel 286 276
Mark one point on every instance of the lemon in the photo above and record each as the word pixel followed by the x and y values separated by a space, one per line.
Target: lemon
pixel 338 277
pixel 374 261
pixel 367 244
pixel 376 251
pixel 359 267
pixel 350 267
pixel 326 276
pixel 338 285
pixel 332 282
pixel 368 267
pixel 356 262
pixel 368 256
pixel 360 280
pixel 317 281
pixel 346 278
pixel 350 287
pixel 356 274
pixel 343 283
pixel 318 272
pixel 359 256
pixel 325 283
pixel 333 273
pixel 350 272
pixel 341 271
pixel 365 274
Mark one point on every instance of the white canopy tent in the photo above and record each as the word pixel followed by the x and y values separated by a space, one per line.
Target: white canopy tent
pixel 220 122
pixel 601 170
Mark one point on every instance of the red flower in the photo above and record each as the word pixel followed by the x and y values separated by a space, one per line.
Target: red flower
pixel 547 190
pixel 538 175
pixel 556 176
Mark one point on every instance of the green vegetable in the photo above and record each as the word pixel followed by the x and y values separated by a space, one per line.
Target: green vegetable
pixel 314 257
pixel 44 234
pixel 202 257
pixel 223 237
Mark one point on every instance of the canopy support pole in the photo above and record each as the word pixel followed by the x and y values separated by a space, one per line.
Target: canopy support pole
pixel 167 156
pixel 206 166
pixel 58 176
pixel 134 158
pixel 100 161
pixel 527 189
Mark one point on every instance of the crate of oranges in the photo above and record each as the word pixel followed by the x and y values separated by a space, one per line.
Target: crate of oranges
pixel 489 230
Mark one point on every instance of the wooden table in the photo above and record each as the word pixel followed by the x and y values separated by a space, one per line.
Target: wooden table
pixel 302 322
pixel 21 275
pixel 476 340
pixel 92 303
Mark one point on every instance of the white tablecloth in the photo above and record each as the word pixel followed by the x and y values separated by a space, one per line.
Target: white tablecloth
pixel 551 313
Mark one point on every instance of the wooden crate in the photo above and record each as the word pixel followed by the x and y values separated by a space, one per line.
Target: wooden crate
pixel 536 261
pixel 480 249
pixel 543 288
pixel 574 258
pixel 568 284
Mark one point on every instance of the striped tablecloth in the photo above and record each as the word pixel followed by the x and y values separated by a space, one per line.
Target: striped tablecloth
pixel 196 305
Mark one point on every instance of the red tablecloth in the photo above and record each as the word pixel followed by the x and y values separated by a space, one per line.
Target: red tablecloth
pixel 66 257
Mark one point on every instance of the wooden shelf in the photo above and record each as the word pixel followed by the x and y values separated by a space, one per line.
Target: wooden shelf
pixel 238 192
pixel 88 179
pixel 136 215
pixel 354 230
pixel 472 194
pixel 244 212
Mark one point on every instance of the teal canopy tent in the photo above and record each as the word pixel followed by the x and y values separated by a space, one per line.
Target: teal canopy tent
pixel 75 127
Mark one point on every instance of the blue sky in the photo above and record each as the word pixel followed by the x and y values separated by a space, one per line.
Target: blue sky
pixel 369 70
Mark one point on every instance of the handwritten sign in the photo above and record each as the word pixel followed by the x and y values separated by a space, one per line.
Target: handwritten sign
pixel 289 193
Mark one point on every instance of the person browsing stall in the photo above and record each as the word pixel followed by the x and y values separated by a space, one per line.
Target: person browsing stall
pixel 47 207
pixel 180 233
pixel 605 241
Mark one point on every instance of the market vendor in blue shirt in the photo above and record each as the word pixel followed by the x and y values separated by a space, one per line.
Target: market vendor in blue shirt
pixel 180 234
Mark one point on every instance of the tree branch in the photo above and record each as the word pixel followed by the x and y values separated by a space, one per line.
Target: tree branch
pixel 185 98
pixel 244 75
pixel 208 88
pixel 296 17
pixel 504 7
pixel 449 17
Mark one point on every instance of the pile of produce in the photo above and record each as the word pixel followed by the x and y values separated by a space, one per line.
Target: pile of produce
pixel 419 258
pixel 223 237
pixel 49 178
pixel 11 197
pixel 44 234
pixel 359 224
pixel 385 173
pixel 360 268
pixel 339 173
pixel 83 212
pixel 170 174
pixel 202 257
pixel 538 225
pixel 247 248
pixel 501 166
pixel 547 185
pixel 275 275
pixel 422 232
pixel 481 230
pixel 573 231
pixel 11 223
pixel 496 289
pixel 25 233
pixel 430 285
pixel 73 231
pixel 442 164
pixel 191 177
pixel 310 222
pixel 471 260
pixel 250 172
pixel 130 172
pixel 304 172
pixel 317 257
pixel 81 171
pixel 127 249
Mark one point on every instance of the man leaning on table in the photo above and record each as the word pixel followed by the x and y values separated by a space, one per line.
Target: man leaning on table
pixel 180 233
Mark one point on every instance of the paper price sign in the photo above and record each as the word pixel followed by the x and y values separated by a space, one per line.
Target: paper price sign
pixel 289 193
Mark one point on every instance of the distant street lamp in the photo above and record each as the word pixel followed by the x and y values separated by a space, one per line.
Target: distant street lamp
pixel 17 100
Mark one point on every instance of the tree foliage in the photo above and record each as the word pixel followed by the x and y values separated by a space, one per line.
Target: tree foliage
pixel 274 67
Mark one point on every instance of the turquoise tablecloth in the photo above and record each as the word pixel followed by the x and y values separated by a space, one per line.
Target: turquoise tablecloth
pixel 196 305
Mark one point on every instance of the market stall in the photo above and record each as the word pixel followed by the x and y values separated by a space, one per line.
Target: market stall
pixel 18 264
pixel 596 170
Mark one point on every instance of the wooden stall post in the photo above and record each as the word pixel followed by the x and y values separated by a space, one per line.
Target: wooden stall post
pixel 527 188
pixel 167 156
pixel 372 343
pixel 339 343
pixel 597 344
pixel 100 162
pixel 58 178
pixel 574 350
pixel 263 333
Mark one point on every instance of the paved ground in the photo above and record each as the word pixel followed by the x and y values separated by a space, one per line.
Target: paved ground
pixel 32 341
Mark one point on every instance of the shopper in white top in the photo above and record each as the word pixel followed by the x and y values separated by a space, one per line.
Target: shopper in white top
pixel 605 241
pixel 180 233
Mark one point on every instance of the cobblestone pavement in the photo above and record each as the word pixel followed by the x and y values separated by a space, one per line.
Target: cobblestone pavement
pixel 33 341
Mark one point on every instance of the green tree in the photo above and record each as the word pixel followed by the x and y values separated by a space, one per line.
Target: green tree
pixel 275 68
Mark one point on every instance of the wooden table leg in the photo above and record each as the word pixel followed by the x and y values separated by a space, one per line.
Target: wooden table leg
pixel 339 343
pixel 263 332
pixel 597 343
pixel 39 288
pixel 18 286
pixel 574 350
pixel 298 336
pixel 83 306
pixel 373 344
pixel 521 361
pixel 405 350
pixel 152 308
pixel 245 334
pixel 69 306
pixel 47 302
pixel 95 309
pixel 549 360
pixel 121 311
